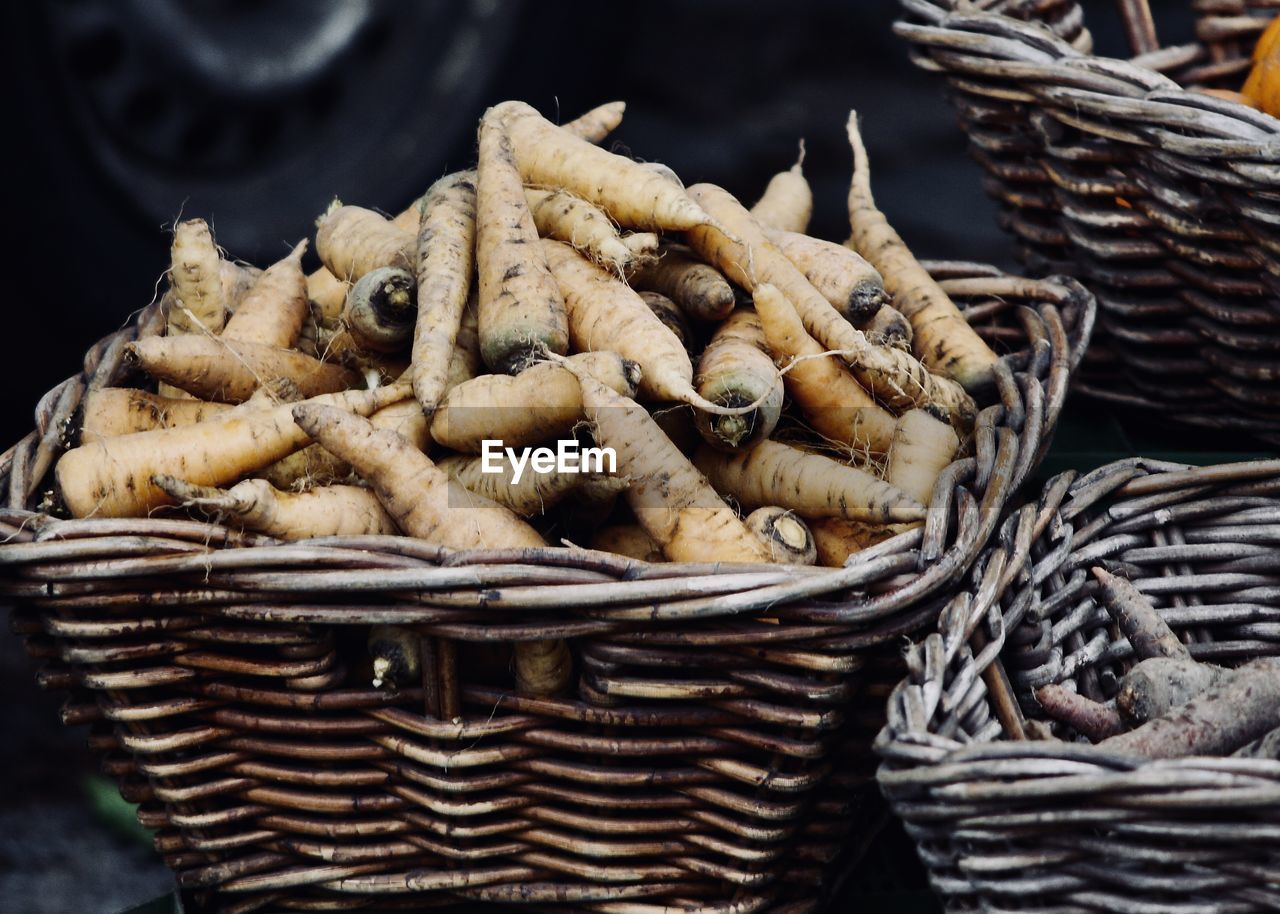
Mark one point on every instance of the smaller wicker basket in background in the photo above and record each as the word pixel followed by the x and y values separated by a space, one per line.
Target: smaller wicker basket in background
pixel 1014 824
pixel 1164 202
pixel 709 760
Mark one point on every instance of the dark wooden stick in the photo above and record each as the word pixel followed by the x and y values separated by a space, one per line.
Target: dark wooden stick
pixel 1091 719
pixel 1137 618
pixel 450 704
pixel 1139 27
pixel 430 677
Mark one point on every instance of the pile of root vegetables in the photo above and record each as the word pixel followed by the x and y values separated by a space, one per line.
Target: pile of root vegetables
pixel 1169 705
pixel 768 396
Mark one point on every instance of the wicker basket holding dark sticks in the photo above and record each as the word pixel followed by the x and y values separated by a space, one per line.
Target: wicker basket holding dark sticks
pixel 1163 201
pixel 1057 824
pixel 691 770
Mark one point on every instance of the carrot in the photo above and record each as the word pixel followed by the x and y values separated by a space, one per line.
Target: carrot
pixel 629 540
pixel 352 241
pixel 671 500
pixel 313 465
pixel 327 294
pixel 543 668
pixel 888 327
pixel 396 652
pixel 424 502
pixel 532 494
pixel 893 377
pixel 1137 618
pixel 852 286
pixel 446 259
pixel 606 315
pixel 230 370
pixel 643 246
pixel 596 124
pixel 108 411
pixel 773 473
pixel 237 280
pixel 787 201
pixel 1091 719
pixel 195 273
pixel 522 312
pixel 380 310
pixel 736 370
pixel 835 405
pixel 922 448
pixel 112 477
pixel 667 311
pixel 634 196
pixel 339 345
pixel 255 505
pixel 1157 685
pixel 540 403
pixel 943 338
pixel 561 215
pixel 275 307
pixel 464 362
pixel 699 289
pixel 789 540
pixel 1243 706
pixel 837 539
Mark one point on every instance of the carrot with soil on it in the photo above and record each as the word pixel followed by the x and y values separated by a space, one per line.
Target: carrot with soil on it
pixel 811 485
pixel 1243 706
pixel 893 377
pixel 943 338
pixel 534 493
pixel 787 201
pixel 380 310
pixel 353 241
pixel 852 286
pixel 921 449
pixel 889 327
pixel 1137 618
pixel 541 403
pixel 672 318
pixel 835 405
pixel 109 411
pixel 274 309
pixel 112 477
pixel 736 370
pixel 231 370
pixel 195 273
pixel 632 195
pixel 1091 719
pixel 629 540
pixel 836 539
pixel 237 279
pixel 699 289
pixel 446 260
pixel 788 538
pixel 255 505
pixel 521 310
pixel 605 314
pixel 670 499
pixel 1157 685
pixel 644 247
pixel 566 217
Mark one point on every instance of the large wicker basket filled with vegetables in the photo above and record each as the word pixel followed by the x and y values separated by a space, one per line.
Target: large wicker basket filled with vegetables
pixel 1153 181
pixel 341 651
pixel 1095 723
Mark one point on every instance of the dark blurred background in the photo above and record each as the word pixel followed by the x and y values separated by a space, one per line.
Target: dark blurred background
pixel 126 114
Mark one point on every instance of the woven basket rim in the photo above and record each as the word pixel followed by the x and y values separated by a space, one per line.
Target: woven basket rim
pixel 1032 53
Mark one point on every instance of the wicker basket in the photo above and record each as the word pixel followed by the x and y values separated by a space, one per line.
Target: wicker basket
pixel 1009 824
pixel 692 770
pixel 1162 201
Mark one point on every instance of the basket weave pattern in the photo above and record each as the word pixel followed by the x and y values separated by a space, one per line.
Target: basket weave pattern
pixel 692 769
pixel 1163 201
pixel 1016 824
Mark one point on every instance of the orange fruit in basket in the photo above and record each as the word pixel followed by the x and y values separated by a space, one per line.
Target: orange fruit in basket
pixel 1263 84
